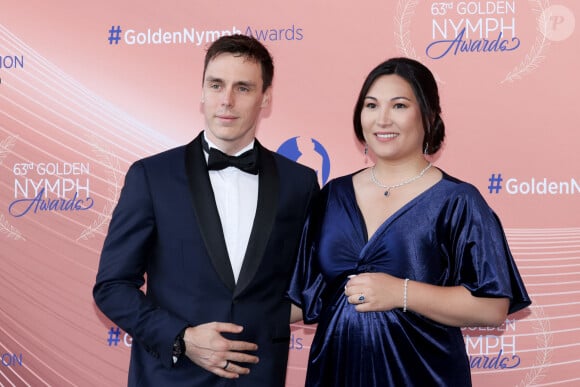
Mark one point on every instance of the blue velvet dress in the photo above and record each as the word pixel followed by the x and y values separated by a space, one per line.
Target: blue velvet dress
pixel 446 236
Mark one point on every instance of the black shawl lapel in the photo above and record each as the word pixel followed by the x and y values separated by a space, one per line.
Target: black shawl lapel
pixel 264 219
pixel 205 208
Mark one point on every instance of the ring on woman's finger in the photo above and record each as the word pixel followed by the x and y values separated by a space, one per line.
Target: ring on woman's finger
pixel 361 298
pixel 227 364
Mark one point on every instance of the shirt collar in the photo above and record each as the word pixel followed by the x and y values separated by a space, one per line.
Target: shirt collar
pixel 212 145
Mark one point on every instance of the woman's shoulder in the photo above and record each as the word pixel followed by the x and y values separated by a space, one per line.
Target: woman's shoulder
pixel 340 182
pixel 462 194
pixel 457 186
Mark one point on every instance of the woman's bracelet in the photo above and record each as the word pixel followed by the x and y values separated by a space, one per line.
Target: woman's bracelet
pixel 405 287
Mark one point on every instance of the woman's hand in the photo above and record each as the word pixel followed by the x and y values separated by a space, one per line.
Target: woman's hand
pixel 449 305
pixel 375 292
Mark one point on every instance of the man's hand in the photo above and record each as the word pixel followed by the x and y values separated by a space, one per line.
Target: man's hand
pixel 206 347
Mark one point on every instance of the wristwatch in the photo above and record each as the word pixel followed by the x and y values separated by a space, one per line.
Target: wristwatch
pixel 179 346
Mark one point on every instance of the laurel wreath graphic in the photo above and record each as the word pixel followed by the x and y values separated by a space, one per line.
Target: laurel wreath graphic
pixel 544 354
pixel 111 162
pixel 404 11
pixel 535 56
pixel 5 227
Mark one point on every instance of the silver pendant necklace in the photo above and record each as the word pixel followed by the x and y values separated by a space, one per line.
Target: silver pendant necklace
pixel 388 188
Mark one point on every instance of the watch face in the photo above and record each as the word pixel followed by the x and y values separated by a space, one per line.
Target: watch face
pixel 178 346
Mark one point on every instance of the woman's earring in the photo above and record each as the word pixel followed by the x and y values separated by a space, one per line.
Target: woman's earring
pixel 426 149
pixel 366 154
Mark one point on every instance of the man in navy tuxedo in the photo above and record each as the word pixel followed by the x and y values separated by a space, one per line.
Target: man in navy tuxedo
pixel 211 229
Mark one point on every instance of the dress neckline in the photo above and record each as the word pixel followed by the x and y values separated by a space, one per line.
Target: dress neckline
pixel 394 215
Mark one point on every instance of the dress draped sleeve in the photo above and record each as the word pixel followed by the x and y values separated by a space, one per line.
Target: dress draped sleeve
pixel 308 285
pixel 483 259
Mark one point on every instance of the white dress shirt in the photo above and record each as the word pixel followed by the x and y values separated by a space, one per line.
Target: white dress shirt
pixel 236 196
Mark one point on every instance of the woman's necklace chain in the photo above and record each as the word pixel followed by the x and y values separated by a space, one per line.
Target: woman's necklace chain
pixel 390 187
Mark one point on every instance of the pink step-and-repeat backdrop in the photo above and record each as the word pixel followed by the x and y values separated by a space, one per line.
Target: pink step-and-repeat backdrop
pixel 86 88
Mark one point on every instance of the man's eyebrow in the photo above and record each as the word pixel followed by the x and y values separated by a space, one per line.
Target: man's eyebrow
pixel 245 83
pixel 238 83
pixel 209 78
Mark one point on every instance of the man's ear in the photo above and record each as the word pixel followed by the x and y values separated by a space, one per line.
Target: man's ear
pixel 267 97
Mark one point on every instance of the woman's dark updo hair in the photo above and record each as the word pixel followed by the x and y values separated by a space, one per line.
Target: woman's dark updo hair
pixel 425 89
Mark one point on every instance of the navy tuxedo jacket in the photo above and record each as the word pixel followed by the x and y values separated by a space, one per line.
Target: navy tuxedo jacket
pixel 166 230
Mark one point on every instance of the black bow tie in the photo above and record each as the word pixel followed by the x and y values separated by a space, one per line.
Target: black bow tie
pixel 217 160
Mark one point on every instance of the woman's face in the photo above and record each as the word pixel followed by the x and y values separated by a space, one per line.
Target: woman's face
pixel 391 119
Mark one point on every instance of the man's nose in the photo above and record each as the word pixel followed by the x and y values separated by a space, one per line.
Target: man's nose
pixel 228 97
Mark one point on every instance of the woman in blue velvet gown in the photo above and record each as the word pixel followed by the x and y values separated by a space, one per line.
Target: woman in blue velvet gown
pixel 395 258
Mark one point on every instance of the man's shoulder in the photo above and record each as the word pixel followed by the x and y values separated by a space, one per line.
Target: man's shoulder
pixel 163 156
pixel 285 163
pixel 172 159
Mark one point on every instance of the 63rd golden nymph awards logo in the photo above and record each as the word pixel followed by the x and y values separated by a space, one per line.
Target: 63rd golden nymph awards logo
pixel 514 36
pixel 83 191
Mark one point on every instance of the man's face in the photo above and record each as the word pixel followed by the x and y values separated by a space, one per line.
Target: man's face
pixel 232 100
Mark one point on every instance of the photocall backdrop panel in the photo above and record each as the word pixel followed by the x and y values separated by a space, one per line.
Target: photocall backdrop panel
pixel 87 89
